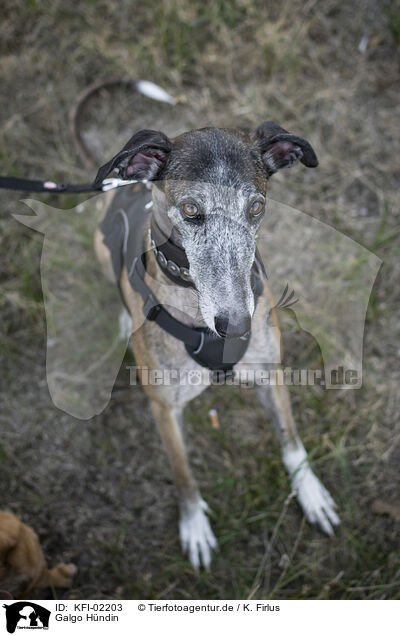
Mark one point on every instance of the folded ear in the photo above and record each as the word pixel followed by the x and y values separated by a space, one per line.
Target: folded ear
pixel 279 149
pixel 143 158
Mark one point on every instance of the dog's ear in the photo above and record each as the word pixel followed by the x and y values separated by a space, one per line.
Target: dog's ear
pixel 143 158
pixel 279 149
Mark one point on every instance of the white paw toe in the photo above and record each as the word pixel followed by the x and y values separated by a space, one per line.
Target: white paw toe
pixel 313 497
pixel 315 500
pixel 197 538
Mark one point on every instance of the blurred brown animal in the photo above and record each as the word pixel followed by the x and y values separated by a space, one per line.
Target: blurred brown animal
pixel 23 566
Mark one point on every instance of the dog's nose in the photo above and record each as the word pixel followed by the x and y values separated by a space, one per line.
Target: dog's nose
pixel 227 328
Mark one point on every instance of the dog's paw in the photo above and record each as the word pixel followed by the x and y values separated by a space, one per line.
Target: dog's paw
pixel 197 538
pixel 317 503
pixel 62 574
pixel 315 500
pixel 67 569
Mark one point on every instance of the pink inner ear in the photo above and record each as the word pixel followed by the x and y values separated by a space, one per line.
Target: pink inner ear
pixel 146 163
pixel 281 150
pixel 282 154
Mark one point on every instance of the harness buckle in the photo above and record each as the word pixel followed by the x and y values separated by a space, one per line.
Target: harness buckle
pixel 109 184
pixel 150 309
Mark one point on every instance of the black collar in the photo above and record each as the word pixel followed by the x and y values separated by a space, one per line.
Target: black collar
pixel 171 258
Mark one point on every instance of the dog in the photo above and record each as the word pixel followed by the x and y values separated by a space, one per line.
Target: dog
pixel 207 199
pixel 22 563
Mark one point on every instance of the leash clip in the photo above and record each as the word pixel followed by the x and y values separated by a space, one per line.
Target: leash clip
pixel 109 184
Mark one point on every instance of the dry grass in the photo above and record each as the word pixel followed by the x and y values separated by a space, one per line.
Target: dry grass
pixel 99 493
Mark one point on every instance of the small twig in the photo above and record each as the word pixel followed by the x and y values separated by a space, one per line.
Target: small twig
pixel 266 561
pixel 290 559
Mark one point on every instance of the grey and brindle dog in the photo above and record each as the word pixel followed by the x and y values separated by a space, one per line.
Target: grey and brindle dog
pixel 208 192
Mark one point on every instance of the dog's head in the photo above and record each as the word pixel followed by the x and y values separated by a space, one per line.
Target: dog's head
pixel 209 194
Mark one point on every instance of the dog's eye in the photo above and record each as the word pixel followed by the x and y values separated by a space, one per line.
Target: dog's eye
pixel 256 208
pixel 190 209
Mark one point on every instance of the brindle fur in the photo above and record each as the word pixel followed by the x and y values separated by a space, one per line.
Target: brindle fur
pixel 222 170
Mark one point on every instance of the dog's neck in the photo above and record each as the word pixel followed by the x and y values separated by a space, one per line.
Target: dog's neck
pixel 171 257
pixel 161 219
pixel 180 300
pixel 166 243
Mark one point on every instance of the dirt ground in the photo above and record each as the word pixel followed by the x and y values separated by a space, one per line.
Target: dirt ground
pixel 99 493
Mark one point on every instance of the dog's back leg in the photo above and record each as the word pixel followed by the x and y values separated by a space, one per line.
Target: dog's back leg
pixel 196 535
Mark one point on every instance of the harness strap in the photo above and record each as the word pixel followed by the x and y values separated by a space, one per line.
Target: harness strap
pixel 156 312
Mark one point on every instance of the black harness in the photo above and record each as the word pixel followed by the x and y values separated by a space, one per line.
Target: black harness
pixel 123 228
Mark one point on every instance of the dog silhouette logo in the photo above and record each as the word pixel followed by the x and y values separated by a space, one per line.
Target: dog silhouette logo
pixel 26 615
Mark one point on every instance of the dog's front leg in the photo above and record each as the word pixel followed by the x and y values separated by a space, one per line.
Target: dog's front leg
pixel 315 500
pixel 197 538
pixel 313 497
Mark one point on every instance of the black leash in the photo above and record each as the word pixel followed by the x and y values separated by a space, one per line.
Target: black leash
pixel 32 185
